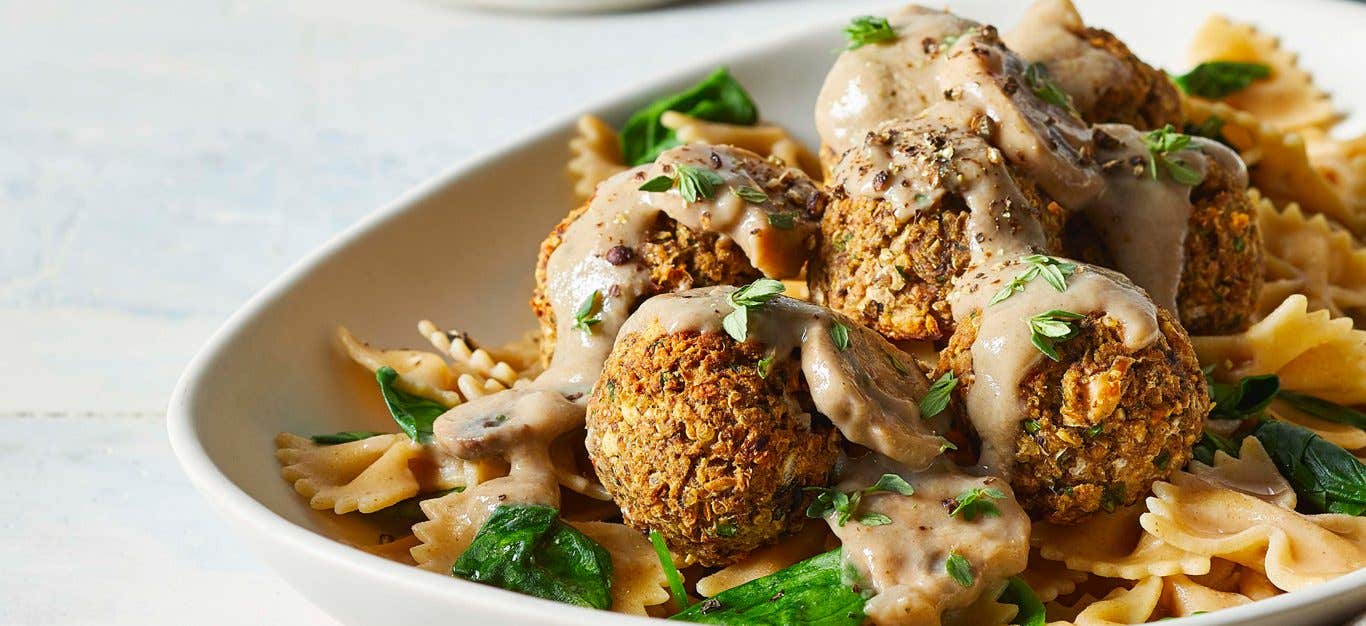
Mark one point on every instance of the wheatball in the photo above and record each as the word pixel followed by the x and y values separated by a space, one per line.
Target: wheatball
pixel 692 439
pixel 1101 423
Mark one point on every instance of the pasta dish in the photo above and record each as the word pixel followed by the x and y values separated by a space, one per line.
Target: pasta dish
pixel 1038 333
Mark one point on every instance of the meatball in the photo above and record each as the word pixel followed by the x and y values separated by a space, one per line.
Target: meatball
pixel 1222 275
pixel 1105 81
pixel 1101 423
pixel 677 257
pixel 691 440
pixel 889 262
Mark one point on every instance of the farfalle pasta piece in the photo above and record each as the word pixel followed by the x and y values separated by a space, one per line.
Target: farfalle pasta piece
pixel 1288 98
pixel 1114 545
pixel 1344 436
pixel 1309 255
pixel 637 578
pixel 1134 605
pixel 762 139
pixel 448 530
pixel 1278 163
pixel 1293 550
pixel 1182 596
pixel 365 475
pixel 1252 473
pixel 1311 352
pixel 595 155
pixel 477 373
pixel 1341 162
pixel 1050 579
pixel 807 543
pixel 419 373
pixel 397 550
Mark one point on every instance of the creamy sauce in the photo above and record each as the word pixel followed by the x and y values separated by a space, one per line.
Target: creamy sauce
pixel 519 424
pixel 861 390
pixel 1143 220
pixel 905 561
pixel 1051 32
pixel 1002 353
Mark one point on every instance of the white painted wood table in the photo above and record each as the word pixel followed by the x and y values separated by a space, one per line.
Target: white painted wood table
pixel 162 160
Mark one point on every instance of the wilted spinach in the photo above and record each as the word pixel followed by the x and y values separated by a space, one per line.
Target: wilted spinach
pixel 1323 409
pixel 1248 398
pixel 1018 593
pixel 810 592
pixel 414 414
pixel 1326 477
pixel 718 98
pixel 527 549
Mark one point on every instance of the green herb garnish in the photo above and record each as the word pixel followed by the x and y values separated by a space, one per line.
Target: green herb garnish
pixel 959 569
pixel 414 414
pixel 765 364
pixel 666 562
pixel 977 502
pixel 1246 399
pixel 658 183
pixel 1211 442
pixel 584 317
pixel 1018 593
pixel 718 98
pixel 896 364
pixel 726 529
pixel 783 220
pixel 1048 329
pixel 527 549
pixel 1054 271
pixel 1322 409
pixel 1036 75
pixel 845 504
pixel 862 31
pixel 839 333
pixel 1163 144
pixel 1216 79
pixel 695 183
pixel 937 398
pixel 345 436
pixel 813 591
pixel 751 296
pixel 1111 497
pixel 1325 476
pixel 753 195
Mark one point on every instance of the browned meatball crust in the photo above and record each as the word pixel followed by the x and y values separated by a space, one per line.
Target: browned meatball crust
pixel 1147 99
pixel 1103 422
pixel 691 441
pixel 678 258
pixel 892 274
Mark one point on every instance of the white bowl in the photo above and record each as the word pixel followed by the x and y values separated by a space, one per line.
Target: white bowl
pixel 460 250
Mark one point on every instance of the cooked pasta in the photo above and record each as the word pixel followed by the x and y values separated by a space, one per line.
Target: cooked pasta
pixel 831 388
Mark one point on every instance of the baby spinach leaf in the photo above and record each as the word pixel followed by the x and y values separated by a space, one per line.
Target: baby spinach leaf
pixel 1216 79
pixel 414 414
pixel 1246 399
pixel 810 592
pixel 718 98
pixel 1211 442
pixel 345 436
pixel 527 549
pixel 1326 477
pixel 1323 409
pixel 1018 593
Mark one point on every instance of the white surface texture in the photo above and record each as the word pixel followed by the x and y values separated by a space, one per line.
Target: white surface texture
pixel 161 161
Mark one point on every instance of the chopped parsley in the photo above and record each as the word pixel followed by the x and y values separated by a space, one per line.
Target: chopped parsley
pixel 751 296
pixel 1048 329
pixel 959 569
pixel 977 502
pixel 726 529
pixel 1163 144
pixel 750 194
pixel 585 317
pixel 1054 271
pixel 839 333
pixel 844 505
pixel 937 398
pixel 1036 75
pixel 862 31
pixel 1217 79
pixel 1112 497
